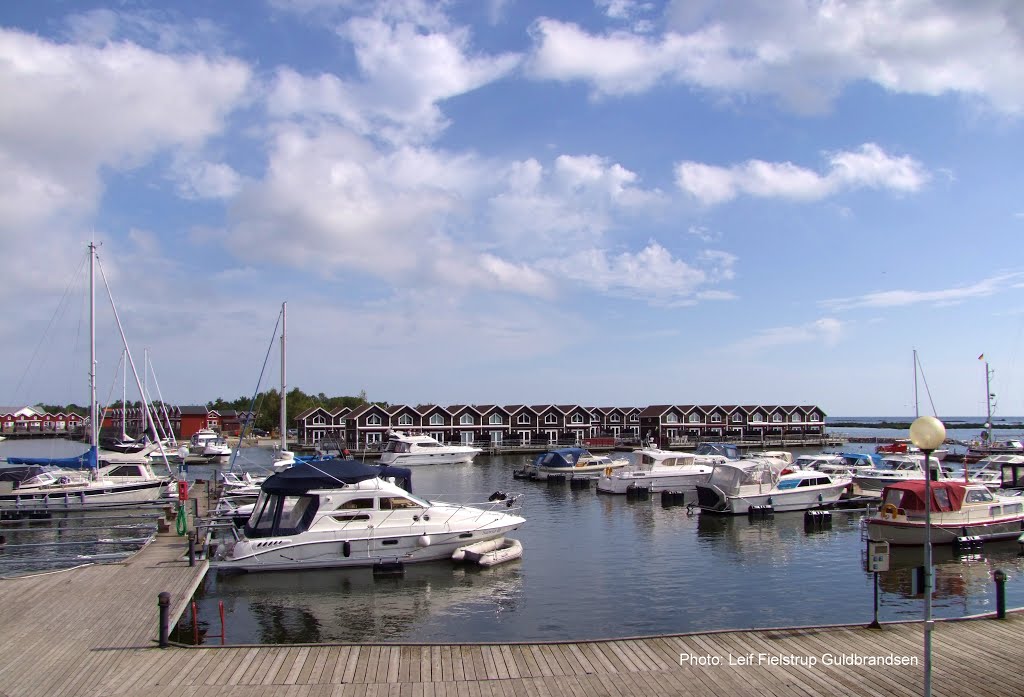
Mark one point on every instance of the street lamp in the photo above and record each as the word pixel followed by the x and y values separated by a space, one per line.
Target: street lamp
pixel 927 433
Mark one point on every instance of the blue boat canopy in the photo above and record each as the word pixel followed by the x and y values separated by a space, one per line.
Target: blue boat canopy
pixel 328 474
pixel 563 457
pixel 78 462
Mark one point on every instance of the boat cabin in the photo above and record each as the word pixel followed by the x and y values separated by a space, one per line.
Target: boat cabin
pixel 910 496
pixel 727 450
pixel 289 500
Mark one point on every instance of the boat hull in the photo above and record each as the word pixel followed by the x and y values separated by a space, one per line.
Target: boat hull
pixel 330 552
pixel 618 483
pixel 417 459
pixel 73 497
pixel 909 533
pixel 803 499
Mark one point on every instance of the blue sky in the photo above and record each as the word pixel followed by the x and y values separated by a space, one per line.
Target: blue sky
pixel 606 203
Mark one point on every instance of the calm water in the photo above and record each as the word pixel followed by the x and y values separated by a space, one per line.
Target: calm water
pixel 599 566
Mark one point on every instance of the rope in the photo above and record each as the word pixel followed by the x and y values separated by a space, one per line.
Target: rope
pixel 182 523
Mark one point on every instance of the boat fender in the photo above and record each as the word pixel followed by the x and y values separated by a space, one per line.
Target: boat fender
pixel 607 471
pixel 346 549
pixel 423 540
pixel 889 511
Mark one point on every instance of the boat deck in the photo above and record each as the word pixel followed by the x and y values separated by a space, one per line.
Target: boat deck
pixel 92 631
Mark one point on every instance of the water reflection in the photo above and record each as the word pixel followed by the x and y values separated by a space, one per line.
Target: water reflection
pixel 354 604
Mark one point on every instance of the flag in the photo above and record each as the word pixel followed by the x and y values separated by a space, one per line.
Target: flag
pixel 981 357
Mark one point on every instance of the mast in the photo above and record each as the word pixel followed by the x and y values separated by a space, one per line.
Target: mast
pixel 988 403
pixel 145 389
pixel 916 414
pixel 94 435
pixel 284 380
pixel 124 396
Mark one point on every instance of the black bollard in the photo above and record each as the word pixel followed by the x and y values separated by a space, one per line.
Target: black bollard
pixel 1000 579
pixel 164 601
pixel 192 548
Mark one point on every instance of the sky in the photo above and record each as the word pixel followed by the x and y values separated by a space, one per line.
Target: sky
pixel 597 202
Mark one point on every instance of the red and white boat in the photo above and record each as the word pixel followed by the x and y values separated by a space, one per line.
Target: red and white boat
pixel 958 509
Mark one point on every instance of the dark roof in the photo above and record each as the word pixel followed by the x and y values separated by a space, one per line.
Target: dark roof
pixel 193 411
pixel 331 474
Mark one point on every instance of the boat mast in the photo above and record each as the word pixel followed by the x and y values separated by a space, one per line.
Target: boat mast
pixel 124 396
pixel 284 380
pixel 94 440
pixel 145 389
pixel 916 414
pixel 987 439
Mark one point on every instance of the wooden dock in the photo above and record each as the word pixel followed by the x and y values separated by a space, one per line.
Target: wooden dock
pixel 92 632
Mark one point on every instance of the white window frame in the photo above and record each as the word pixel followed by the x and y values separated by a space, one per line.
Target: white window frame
pixel 466 420
pixel 436 420
pixel 495 420
pixel 405 420
pixel 373 420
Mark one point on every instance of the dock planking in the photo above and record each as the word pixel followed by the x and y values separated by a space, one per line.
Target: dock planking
pixel 92 631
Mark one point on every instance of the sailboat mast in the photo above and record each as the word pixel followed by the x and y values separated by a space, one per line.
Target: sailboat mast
pixel 145 389
pixel 988 404
pixel 94 427
pixel 124 396
pixel 284 376
pixel 916 414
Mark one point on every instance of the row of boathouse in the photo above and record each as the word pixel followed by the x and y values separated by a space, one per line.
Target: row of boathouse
pixel 493 425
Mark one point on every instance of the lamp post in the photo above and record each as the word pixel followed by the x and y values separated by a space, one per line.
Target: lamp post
pixel 927 433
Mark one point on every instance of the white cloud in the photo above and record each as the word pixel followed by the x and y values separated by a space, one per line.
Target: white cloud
pixel 868 167
pixel 947 296
pixel 82 108
pixel 801 53
pixel 405 69
pixel 651 275
pixel 827 331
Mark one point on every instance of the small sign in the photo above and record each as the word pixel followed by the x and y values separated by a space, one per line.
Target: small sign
pixel 878 556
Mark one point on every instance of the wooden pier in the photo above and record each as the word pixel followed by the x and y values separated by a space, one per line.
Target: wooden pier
pixel 92 632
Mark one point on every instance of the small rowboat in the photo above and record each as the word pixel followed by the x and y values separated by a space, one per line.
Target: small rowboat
pixel 490 552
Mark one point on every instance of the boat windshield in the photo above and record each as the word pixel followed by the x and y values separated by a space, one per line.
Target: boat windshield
pixel 274 515
pixel 396 446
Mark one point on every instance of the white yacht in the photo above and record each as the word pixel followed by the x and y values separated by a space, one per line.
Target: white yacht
pixel 735 486
pixel 658 470
pixel 406 450
pixel 209 443
pixel 340 513
pixel 893 468
pixel 30 485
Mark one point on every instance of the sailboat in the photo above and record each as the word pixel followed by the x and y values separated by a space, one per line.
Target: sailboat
pixel 987 445
pixel 95 477
pixel 284 458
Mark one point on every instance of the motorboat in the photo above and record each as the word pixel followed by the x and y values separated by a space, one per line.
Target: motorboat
pixel 956 510
pixel 342 513
pixel 658 470
pixel 822 462
pixel 891 469
pixel 407 449
pixel 27 485
pixel 736 486
pixel 209 443
pixel 729 451
pixel 978 450
pixel 989 470
pixel 573 462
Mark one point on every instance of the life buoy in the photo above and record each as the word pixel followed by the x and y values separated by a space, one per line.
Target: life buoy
pixel 889 511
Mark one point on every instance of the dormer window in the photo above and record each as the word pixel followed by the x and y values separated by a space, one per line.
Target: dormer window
pixel 577 418
pixel 436 420
pixel 776 418
pixel 523 419
pixel 737 418
pixel 672 418
pixel 373 420
pixel 466 420
pixel 495 420
pixel 405 420
pixel 550 418
pixel 716 418
pixel 694 418
pixel 614 418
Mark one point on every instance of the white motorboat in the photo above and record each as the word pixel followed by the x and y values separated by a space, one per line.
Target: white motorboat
pixel 405 450
pixel 658 470
pixel 736 486
pixel 572 462
pixel 956 510
pixel 892 469
pixel 341 513
pixel 30 485
pixel 823 462
pixel 209 443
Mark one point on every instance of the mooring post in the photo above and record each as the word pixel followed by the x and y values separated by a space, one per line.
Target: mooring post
pixel 164 601
pixel 1000 579
pixel 192 548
